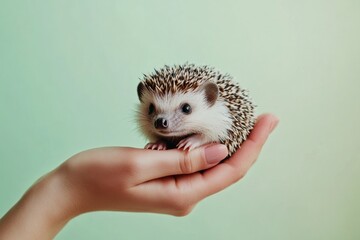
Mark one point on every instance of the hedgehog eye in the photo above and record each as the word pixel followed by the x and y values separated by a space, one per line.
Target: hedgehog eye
pixel 151 109
pixel 186 108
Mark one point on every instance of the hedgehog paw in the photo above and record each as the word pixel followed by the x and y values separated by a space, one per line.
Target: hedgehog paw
pixel 191 142
pixel 156 146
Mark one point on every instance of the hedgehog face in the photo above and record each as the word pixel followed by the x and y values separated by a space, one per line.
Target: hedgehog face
pixel 171 115
pixel 181 114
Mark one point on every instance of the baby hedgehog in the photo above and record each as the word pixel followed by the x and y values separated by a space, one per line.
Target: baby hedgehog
pixel 186 106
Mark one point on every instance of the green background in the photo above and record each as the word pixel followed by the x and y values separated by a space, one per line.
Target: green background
pixel 69 71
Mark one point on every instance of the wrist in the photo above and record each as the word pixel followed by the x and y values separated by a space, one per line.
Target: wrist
pixel 55 197
pixel 43 210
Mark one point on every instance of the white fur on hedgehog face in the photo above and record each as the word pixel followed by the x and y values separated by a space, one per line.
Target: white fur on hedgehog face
pixel 210 121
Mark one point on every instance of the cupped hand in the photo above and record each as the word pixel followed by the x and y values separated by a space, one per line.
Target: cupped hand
pixel 171 181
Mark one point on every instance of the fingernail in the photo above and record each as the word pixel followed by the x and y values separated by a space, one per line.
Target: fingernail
pixel 274 124
pixel 215 153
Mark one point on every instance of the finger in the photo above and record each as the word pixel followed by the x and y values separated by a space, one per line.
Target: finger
pixel 156 164
pixel 191 188
pixel 251 148
pixel 236 167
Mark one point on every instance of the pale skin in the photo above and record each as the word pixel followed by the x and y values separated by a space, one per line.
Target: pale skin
pixel 129 179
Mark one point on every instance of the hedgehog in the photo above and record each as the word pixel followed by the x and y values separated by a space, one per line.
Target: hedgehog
pixel 187 106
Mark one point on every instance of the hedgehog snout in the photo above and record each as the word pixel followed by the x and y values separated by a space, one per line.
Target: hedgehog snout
pixel 161 123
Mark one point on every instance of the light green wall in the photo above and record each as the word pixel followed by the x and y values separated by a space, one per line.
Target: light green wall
pixel 68 76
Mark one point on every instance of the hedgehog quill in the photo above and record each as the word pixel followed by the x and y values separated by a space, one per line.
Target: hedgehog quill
pixel 186 106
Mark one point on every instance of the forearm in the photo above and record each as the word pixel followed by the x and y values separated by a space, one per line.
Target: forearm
pixel 41 213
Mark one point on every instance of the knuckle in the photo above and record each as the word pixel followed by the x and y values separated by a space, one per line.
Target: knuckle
pixel 183 212
pixel 180 206
pixel 235 174
pixel 239 177
pixel 186 163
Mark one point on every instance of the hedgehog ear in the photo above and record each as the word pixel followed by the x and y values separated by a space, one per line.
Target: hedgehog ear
pixel 140 90
pixel 211 91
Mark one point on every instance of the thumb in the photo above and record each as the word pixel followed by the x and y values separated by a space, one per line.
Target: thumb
pixel 156 164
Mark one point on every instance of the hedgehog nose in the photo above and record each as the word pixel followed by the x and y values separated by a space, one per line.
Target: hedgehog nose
pixel 161 123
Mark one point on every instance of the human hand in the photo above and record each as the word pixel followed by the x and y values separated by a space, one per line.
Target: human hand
pixel 140 180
